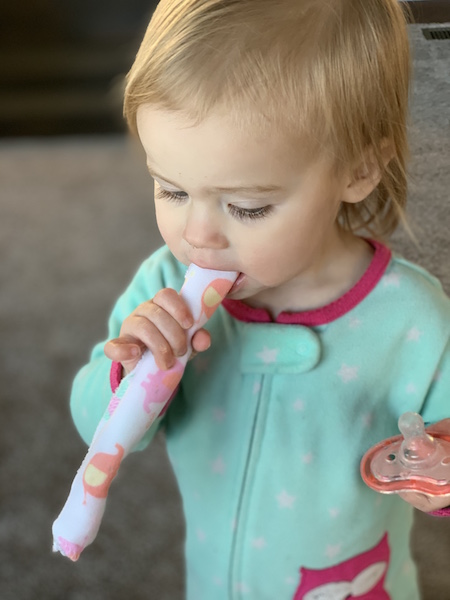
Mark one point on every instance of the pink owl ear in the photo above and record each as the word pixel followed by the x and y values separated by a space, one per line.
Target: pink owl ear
pixel 330 591
pixel 213 295
pixel 361 577
pixel 368 579
pixel 363 583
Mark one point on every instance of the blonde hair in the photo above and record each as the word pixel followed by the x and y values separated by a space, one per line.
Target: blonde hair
pixel 333 74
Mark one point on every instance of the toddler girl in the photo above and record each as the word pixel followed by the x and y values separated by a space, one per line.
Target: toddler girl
pixel 276 135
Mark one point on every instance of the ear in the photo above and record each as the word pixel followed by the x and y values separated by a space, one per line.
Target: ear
pixel 367 174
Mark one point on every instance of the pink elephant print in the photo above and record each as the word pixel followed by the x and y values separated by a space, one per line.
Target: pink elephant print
pixel 160 386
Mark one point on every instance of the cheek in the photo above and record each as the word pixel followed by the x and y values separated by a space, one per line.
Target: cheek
pixel 166 221
pixel 278 253
pixel 269 260
pixel 273 242
pixel 170 225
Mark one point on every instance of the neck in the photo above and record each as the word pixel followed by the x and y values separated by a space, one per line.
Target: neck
pixel 337 270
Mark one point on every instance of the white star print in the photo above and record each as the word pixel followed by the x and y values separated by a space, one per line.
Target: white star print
pixel 308 458
pixel 201 535
pixel 391 279
pixel 299 405
pixel 259 543
pixel 285 500
pixel 256 387
pixel 242 587
pixel 334 512
pixel 218 581
pixel 411 388
pixel 413 335
pixel 407 567
pixel 333 551
pixel 347 373
pixel 354 322
pixel 290 580
pixel 268 355
pixel 218 465
pixel 367 419
pixel 218 414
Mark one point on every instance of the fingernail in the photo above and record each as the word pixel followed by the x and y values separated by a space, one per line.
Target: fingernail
pixel 135 351
pixel 187 323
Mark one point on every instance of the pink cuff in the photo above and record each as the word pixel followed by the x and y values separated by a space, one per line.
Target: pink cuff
pixel 442 512
pixel 116 376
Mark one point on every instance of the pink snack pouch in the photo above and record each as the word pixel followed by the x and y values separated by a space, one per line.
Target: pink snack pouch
pixel 136 404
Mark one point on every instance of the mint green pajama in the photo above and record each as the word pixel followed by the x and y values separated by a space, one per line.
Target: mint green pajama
pixel 269 426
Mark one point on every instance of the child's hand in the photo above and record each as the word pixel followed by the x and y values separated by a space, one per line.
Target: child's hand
pixel 160 325
pixel 422 501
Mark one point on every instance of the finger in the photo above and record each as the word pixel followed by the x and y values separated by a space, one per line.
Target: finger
pixel 425 502
pixel 156 328
pixel 440 427
pixel 124 348
pixel 201 340
pixel 165 338
pixel 171 302
pixel 169 313
pixel 416 499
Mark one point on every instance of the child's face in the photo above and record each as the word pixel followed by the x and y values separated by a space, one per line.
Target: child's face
pixel 229 201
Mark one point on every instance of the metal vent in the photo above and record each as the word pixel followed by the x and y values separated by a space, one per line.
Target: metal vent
pixel 440 33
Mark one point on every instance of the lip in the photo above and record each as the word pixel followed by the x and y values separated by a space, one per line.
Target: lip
pixel 237 284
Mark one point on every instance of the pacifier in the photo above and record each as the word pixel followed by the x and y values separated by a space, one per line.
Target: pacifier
pixel 414 461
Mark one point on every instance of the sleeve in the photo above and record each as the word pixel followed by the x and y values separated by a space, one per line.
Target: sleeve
pixel 91 390
pixel 437 403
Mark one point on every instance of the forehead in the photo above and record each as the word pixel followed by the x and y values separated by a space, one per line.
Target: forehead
pixel 216 149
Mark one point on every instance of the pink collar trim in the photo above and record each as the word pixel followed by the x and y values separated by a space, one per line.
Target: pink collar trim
pixel 325 314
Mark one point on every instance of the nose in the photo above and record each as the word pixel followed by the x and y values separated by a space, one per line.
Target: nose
pixel 203 231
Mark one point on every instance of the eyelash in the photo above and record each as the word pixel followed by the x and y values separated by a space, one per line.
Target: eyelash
pixel 242 214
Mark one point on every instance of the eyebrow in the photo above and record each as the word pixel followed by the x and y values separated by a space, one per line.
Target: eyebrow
pixel 258 189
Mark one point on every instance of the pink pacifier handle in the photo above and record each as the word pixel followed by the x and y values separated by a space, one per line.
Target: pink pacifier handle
pixel 414 461
pixel 134 407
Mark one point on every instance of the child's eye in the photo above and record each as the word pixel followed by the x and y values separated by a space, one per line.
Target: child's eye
pixel 172 196
pixel 249 213
pixel 237 212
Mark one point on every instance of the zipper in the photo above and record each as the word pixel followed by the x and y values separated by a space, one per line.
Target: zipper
pixel 237 550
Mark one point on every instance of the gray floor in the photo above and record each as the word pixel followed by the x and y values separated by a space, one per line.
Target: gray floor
pixel 76 220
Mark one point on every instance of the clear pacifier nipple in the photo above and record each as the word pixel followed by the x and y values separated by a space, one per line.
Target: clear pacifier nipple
pixel 418 448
